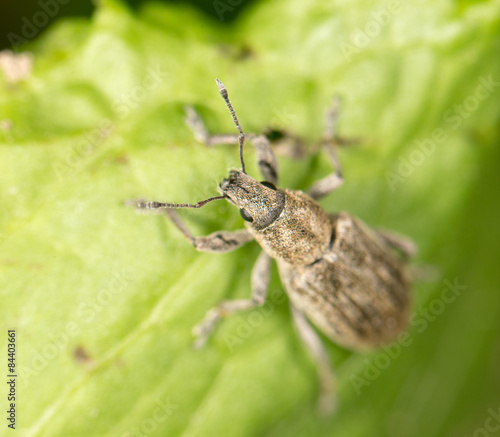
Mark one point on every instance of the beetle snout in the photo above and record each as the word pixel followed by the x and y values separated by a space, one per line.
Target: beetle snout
pixel 226 183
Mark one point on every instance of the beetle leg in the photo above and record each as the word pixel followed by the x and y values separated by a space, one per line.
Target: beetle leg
pixel 218 242
pixel 403 244
pixel 266 159
pixel 327 400
pixel 330 141
pixel 260 283
pixel 200 131
pixel 325 186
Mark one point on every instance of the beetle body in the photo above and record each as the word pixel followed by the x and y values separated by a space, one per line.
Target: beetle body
pixel 344 276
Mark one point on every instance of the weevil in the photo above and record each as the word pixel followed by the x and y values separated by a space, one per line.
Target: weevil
pixel 349 280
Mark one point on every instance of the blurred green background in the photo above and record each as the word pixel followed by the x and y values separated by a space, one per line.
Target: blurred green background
pixel 16 15
pixel 103 299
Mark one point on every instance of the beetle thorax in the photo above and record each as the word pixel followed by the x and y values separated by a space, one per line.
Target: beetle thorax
pixel 300 235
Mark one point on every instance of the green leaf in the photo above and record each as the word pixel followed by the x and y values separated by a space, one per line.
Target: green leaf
pixel 103 300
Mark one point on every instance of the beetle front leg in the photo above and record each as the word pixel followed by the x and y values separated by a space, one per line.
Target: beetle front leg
pixel 266 160
pixel 327 401
pixel 200 131
pixel 260 283
pixel 217 242
pixel 330 141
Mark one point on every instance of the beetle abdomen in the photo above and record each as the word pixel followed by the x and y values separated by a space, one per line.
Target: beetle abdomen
pixel 358 292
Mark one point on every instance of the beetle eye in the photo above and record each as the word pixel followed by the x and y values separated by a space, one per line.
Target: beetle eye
pixel 269 185
pixel 247 217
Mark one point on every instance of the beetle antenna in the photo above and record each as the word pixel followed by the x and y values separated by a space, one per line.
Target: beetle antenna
pixel 241 136
pixel 161 205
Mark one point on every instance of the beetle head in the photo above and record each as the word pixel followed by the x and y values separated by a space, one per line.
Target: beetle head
pixel 260 203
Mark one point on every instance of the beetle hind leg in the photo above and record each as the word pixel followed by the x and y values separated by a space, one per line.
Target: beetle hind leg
pixel 327 401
